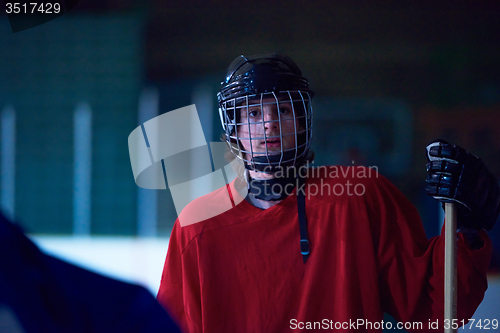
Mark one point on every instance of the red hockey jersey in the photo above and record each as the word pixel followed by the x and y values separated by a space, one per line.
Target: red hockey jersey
pixel 242 270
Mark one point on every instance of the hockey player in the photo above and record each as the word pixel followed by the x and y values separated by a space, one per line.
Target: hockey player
pixel 304 252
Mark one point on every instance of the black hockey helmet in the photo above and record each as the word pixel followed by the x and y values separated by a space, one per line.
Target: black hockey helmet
pixel 258 77
pixel 261 73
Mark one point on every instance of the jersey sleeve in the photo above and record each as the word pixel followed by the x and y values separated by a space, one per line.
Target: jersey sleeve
pixel 411 267
pixel 179 290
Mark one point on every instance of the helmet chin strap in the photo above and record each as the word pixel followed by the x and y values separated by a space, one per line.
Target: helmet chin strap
pixel 271 163
pixel 267 190
pixel 278 187
pixel 272 189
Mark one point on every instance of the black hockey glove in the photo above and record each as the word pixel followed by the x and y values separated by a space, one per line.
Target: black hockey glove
pixel 455 175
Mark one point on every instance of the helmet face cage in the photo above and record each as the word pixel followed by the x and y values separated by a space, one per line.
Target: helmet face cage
pixel 244 127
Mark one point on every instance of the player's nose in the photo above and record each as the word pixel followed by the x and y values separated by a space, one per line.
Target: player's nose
pixel 271 119
pixel 270 114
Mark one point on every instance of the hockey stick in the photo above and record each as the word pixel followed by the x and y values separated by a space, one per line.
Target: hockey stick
pixel 450 267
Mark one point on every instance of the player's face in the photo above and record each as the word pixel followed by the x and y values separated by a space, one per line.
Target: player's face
pixel 259 126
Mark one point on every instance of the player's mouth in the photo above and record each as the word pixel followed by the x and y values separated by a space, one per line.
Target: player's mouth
pixel 272 143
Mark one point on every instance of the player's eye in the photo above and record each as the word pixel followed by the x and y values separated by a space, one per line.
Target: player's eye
pixel 253 113
pixel 285 110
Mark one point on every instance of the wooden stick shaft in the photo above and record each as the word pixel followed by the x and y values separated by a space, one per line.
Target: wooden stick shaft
pixel 450 265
